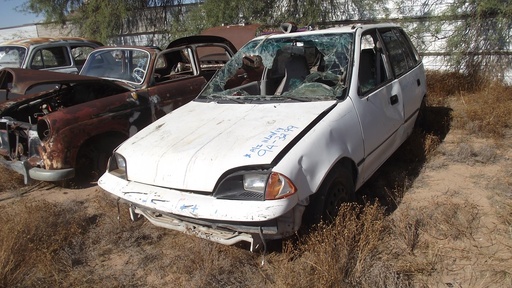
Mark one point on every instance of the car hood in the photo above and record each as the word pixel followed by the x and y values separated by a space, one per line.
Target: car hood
pixel 19 86
pixel 190 148
pixel 22 80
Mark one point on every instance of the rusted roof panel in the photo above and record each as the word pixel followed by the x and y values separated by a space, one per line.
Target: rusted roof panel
pixel 26 42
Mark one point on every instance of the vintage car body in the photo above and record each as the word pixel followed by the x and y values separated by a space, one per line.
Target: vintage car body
pixel 70 128
pixel 288 130
pixel 58 54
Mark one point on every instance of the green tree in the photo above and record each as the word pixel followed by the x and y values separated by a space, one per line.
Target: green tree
pixel 274 12
pixel 481 37
pixel 107 20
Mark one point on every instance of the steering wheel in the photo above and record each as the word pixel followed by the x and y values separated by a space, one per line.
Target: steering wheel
pixel 138 74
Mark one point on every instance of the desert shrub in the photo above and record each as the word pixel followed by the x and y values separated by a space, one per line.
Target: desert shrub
pixel 441 84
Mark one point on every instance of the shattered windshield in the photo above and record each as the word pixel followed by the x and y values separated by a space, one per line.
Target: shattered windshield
pixel 307 67
pixel 12 56
pixel 127 65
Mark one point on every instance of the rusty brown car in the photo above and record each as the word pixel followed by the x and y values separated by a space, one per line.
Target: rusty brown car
pixel 56 126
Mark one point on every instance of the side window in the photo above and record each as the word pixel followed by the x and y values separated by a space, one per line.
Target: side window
pixel 173 65
pixel 412 54
pixel 79 54
pixel 372 71
pixel 50 58
pixel 212 57
pixel 401 55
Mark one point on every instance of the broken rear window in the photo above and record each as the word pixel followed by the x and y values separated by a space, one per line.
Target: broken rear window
pixel 307 67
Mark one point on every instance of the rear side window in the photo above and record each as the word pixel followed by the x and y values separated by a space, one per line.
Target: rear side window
pixel 401 53
pixel 174 64
pixel 413 56
pixel 50 57
pixel 80 54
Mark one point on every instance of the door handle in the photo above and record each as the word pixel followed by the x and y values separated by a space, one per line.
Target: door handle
pixel 393 99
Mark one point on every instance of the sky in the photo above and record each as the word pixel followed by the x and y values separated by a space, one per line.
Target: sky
pixel 10 17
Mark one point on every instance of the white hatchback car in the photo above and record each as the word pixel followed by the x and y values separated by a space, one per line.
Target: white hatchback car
pixel 288 130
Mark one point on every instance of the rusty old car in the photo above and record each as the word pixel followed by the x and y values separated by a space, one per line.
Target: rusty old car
pixel 56 127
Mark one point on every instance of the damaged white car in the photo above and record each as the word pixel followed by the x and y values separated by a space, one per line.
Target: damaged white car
pixel 288 130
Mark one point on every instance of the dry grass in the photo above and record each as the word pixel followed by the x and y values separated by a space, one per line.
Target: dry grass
pixel 38 242
pixel 486 112
pixel 380 242
pixel 10 180
pixel 347 253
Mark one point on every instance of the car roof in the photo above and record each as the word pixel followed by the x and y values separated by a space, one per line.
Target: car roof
pixel 27 42
pixel 201 39
pixel 343 27
pixel 149 49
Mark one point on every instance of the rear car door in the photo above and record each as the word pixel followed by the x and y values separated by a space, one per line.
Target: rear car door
pixel 406 67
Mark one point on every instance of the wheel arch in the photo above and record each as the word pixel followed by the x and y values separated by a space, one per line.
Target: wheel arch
pixel 114 136
pixel 346 163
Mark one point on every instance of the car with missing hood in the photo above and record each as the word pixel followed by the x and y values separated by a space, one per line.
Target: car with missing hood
pixel 282 135
pixel 57 126
pixel 58 54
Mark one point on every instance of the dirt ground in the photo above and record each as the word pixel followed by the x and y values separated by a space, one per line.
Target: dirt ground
pixel 458 197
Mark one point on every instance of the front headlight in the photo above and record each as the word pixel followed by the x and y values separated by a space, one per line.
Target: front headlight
pixel 44 130
pixel 117 166
pixel 264 185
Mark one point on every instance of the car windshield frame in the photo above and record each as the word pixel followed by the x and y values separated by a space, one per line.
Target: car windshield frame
pixel 264 65
pixel 12 56
pixel 129 65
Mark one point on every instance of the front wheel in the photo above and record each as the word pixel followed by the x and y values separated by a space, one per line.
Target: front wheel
pixel 92 160
pixel 337 188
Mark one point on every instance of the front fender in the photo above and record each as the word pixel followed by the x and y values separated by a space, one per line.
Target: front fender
pixel 335 137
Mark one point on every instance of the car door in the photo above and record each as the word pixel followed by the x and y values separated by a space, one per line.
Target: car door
pixel 52 58
pixel 181 73
pixel 378 101
pixel 407 68
pixel 176 80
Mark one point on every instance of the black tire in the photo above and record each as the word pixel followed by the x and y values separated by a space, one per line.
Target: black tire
pixel 337 188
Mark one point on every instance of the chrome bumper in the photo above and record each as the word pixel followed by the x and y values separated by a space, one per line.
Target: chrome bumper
pixel 35 173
